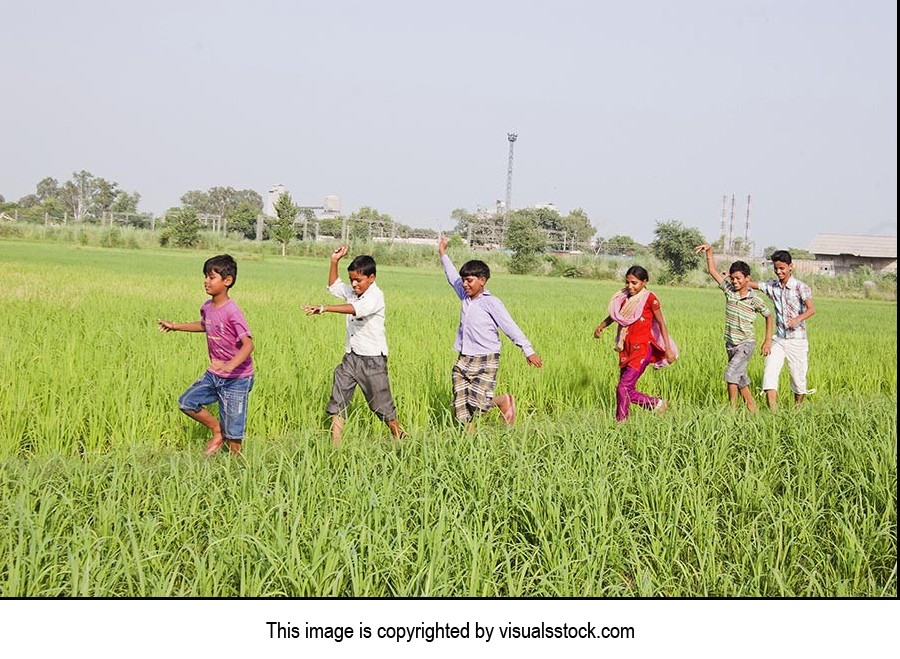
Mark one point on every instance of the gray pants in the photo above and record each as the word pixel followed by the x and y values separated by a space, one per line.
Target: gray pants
pixel 370 373
pixel 738 357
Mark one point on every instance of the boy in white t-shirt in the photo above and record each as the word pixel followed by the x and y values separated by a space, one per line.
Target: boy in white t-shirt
pixel 365 357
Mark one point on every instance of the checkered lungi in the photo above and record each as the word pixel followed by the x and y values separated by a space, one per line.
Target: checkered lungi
pixel 474 379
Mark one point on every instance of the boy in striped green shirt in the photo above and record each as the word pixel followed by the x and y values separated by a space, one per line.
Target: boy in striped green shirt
pixel 741 307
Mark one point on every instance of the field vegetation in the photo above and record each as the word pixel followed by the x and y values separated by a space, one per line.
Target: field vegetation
pixel 104 491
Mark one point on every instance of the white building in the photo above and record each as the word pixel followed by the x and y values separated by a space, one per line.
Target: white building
pixel 272 198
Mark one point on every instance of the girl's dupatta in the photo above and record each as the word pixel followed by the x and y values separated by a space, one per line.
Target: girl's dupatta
pixel 629 313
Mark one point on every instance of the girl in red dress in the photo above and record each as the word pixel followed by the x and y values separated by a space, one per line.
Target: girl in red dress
pixel 642 339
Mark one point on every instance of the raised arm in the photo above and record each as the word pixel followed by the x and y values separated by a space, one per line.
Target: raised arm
pixel 339 253
pixel 710 261
pixel 450 270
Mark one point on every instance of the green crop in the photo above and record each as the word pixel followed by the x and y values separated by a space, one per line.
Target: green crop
pixel 104 490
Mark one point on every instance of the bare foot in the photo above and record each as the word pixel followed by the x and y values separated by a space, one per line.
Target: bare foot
pixel 213 446
pixel 509 414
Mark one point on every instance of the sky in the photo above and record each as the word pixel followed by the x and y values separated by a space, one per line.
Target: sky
pixel 639 112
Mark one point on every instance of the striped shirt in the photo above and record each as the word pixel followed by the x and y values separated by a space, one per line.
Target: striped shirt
pixel 790 302
pixel 739 314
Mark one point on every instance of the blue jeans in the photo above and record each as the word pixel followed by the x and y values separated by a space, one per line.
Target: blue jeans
pixel 230 393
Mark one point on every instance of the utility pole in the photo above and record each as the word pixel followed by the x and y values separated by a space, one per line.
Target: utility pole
pixel 731 227
pixel 724 208
pixel 509 171
pixel 747 226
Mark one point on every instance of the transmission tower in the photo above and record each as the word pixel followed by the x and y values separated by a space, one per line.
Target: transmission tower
pixel 512 140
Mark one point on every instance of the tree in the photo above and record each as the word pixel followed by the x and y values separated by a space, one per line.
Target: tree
pixel 182 228
pixel 463 220
pixel 76 194
pixel 242 219
pixel 368 223
pixel 674 245
pixel 283 228
pixel 620 245
pixel 29 201
pixel 222 201
pixel 578 227
pixel 526 240
pixel 47 188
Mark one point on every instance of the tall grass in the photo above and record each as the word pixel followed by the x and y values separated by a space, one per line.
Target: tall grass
pixel 104 492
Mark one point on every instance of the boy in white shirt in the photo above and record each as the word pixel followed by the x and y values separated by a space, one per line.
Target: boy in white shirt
pixel 365 358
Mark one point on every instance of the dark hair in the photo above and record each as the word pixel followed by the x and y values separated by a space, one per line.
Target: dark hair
pixel 781 255
pixel 224 265
pixel 363 264
pixel 739 266
pixel 639 272
pixel 475 269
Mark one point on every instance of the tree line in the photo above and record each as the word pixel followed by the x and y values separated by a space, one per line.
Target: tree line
pixel 528 233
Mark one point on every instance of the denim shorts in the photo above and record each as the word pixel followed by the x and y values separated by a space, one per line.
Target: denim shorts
pixel 230 393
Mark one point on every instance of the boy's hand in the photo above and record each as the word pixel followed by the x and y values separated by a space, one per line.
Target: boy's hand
pixel 442 245
pixel 313 309
pixel 165 325
pixel 339 253
pixel 766 348
pixel 705 247
pixel 534 360
pixel 220 366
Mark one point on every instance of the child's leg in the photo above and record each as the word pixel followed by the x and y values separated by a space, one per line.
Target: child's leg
pixel 796 351
pixel 736 372
pixel 507 406
pixel 205 417
pixel 396 430
pixel 372 377
pixel 474 379
pixel 460 391
pixel 628 377
pixel 341 394
pixel 771 372
pixel 747 395
pixel 732 393
pixel 234 394
pixel 337 429
pixel 203 392
pixel 639 398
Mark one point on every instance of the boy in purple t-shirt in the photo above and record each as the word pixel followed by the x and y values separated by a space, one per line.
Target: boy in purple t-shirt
pixel 474 374
pixel 229 377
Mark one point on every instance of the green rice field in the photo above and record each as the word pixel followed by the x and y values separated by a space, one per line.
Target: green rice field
pixel 104 491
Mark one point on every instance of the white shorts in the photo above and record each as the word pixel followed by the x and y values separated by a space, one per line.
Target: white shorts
pixel 795 351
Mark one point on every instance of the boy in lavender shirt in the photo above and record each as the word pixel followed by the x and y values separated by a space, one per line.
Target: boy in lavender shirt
pixel 229 377
pixel 478 342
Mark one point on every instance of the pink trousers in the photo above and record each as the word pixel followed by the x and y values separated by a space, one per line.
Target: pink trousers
pixel 627 393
